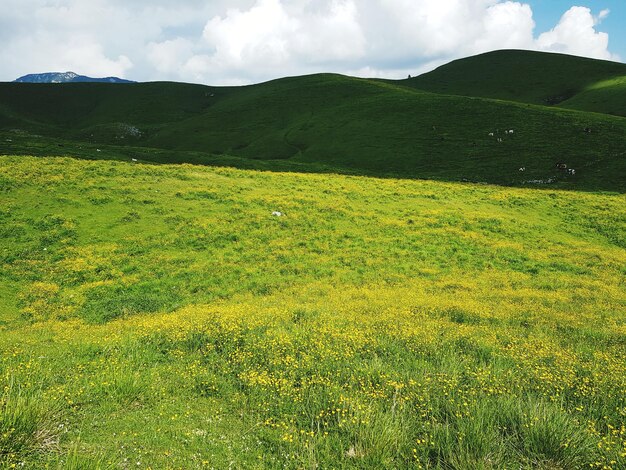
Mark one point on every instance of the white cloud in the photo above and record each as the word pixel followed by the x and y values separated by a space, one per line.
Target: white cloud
pixel 90 59
pixel 259 35
pixel 506 25
pixel 268 35
pixel 78 53
pixel 243 41
pixel 168 57
pixel 603 14
pixel 575 34
pixel 341 39
pixel 427 28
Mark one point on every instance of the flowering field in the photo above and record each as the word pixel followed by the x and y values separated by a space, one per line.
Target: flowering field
pixel 163 317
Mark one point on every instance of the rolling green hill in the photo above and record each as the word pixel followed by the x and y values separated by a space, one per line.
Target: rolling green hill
pixel 327 123
pixel 533 77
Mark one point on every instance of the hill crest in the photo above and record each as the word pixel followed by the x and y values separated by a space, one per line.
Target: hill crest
pixel 542 78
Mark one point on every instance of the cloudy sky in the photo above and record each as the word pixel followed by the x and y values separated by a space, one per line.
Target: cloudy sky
pixel 222 42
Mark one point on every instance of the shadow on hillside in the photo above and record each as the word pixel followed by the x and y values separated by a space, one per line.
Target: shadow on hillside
pixel 12 143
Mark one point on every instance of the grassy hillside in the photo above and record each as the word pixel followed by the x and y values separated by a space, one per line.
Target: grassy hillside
pixel 606 96
pixel 326 121
pixel 74 108
pixel 533 77
pixel 387 130
pixel 162 317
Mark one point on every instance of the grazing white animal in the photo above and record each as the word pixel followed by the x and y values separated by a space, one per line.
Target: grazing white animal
pixel 277 214
pixel 98 150
pixel 134 159
pixel 491 134
pixel 500 139
pixel 522 169
pixel 511 131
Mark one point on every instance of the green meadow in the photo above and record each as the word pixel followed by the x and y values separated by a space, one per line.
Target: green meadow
pixel 159 316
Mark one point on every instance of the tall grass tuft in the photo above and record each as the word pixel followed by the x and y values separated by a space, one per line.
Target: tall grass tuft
pixel 26 423
pixel 550 438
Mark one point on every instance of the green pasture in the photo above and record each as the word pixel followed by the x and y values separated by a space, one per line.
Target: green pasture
pixel 160 316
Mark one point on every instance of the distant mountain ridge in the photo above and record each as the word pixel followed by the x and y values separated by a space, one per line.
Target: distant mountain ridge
pixel 67 77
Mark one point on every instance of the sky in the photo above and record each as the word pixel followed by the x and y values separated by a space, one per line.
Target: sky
pixel 235 42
